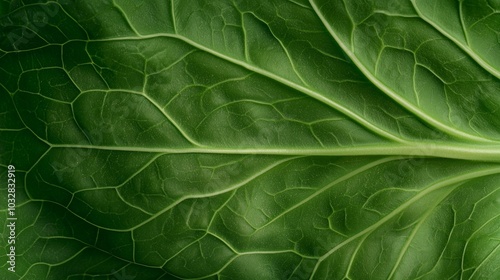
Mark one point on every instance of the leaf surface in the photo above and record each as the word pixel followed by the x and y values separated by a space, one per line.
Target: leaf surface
pixel 251 139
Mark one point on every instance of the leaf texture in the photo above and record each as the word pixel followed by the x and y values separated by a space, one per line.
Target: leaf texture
pixel 279 139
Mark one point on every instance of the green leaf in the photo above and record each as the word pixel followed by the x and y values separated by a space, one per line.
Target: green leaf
pixel 272 139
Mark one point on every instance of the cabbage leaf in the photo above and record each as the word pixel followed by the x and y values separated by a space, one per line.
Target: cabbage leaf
pixel 263 139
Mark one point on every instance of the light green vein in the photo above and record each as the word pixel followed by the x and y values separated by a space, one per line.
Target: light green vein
pixel 487 66
pixel 412 108
pixel 327 187
pixel 299 88
pixel 415 230
pixel 230 188
pixel 265 73
pixel 463 268
pixel 454 181
pixel 157 106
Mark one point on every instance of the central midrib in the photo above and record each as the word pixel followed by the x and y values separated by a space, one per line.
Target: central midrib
pixel 479 152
